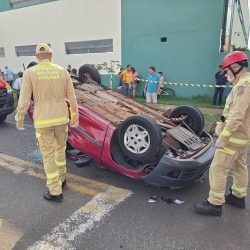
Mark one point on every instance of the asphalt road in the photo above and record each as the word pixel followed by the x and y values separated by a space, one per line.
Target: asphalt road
pixel 102 209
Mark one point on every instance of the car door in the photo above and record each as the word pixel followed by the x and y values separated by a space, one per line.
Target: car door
pixel 89 136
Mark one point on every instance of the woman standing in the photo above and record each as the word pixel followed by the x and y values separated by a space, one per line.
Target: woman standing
pixel 134 82
pixel 1 74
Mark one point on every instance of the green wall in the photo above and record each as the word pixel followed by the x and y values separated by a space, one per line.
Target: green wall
pixel 191 53
pixel 5 5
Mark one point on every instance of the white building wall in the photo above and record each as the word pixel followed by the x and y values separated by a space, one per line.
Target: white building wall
pixel 245 12
pixel 237 32
pixel 59 22
pixel 237 38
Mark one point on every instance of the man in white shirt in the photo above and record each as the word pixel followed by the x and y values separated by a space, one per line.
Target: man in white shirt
pixel 17 84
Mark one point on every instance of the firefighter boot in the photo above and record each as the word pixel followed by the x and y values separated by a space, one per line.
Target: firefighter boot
pixel 232 199
pixel 51 197
pixel 208 208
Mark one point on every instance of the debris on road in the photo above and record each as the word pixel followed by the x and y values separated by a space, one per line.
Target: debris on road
pixel 152 199
pixel 168 200
pixel 179 202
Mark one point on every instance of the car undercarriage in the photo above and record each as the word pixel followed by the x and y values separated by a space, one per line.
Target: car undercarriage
pixel 115 107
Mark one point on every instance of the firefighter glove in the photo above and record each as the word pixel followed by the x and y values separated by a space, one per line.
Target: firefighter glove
pixel 19 125
pixel 74 122
pixel 220 144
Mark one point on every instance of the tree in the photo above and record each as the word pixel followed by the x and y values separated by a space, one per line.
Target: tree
pixel 240 48
pixel 110 69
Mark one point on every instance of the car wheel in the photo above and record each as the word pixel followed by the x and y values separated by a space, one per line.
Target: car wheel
pixel 156 158
pixel 3 118
pixel 195 119
pixel 88 69
pixel 140 137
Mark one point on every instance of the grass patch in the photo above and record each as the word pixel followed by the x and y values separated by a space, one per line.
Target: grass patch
pixel 197 101
pixel 214 118
pixel 15 97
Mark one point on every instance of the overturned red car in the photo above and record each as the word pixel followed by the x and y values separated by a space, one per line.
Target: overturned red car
pixel 119 133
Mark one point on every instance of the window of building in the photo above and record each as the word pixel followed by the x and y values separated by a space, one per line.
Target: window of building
pixel 2 53
pixel 29 50
pixel 85 47
pixel 22 3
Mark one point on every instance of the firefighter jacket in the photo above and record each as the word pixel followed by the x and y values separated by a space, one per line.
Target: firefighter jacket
pixel 49 84
pixel 237 113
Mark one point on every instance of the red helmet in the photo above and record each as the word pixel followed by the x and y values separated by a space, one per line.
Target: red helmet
pixel 233 57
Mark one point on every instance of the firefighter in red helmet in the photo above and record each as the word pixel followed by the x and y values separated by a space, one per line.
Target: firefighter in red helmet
pixel 234 138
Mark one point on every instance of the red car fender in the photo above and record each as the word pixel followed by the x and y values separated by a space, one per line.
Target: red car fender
pixel 108 162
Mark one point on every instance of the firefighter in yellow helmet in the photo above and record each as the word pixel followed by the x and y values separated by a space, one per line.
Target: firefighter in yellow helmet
pixel 233 141
pixel 49 84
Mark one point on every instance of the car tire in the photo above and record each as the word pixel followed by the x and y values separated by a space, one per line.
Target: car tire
pixel 3 118
pixel 91 70
pixel 156 158
pixel 195 119
pixel 140 137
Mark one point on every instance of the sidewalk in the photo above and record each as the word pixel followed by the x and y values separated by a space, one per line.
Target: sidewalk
pixel 212 111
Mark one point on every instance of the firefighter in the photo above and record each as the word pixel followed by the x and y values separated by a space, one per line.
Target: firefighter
pixel 49 84
pixel 233 141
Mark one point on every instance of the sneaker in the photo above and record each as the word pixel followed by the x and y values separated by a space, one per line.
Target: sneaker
pixel 208 208
pixel 232 199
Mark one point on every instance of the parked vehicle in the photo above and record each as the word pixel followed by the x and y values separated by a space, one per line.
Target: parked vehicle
pixel 121 134
pixel 6 100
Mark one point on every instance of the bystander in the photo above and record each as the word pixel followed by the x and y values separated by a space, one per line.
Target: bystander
pixel 125 78
pixel 73 72
pixel 9 76
pixel 17 84
pixel 152 87
pixel 120 81
pixel 69 68
pixel 134 81
pixel 1 74
pixel 220 79
pixel 162 79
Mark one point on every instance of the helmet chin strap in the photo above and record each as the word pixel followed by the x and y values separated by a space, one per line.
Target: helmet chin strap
pixel 241 64
pixel 236 72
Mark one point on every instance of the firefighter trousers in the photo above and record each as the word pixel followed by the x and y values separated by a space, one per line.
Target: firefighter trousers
pixel 52 144
pixel 231 159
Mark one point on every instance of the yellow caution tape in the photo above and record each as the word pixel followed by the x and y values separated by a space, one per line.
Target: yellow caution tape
pixel 187 84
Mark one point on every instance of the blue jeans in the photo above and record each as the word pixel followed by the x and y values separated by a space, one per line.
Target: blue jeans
pixel 125 89
pixel 216 92
pixel 10 83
